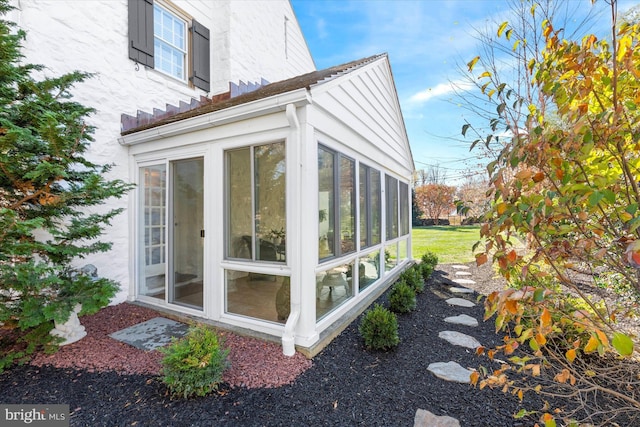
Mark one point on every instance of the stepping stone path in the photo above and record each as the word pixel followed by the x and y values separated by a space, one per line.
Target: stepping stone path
pixel 463 273
pixel 152 334
pixel 452 371
pixel 457 290
pixel 427 419
pixel 458 338
pixel 462 319
pixel 460 302
pixel 464 281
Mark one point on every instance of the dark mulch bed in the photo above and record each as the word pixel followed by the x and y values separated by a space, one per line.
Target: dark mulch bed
pixel 347 385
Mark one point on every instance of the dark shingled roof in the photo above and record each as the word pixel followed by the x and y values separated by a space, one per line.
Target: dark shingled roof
pixel 223 101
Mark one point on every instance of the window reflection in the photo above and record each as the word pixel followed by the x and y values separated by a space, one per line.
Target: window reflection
pixel 256 186
pixel 333 288
pixel 369 269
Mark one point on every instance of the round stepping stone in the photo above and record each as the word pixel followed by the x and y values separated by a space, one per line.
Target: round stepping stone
pixel 460 302
pixel 463 281
pixel 425 418
pixel 450 371
pixel 458 290
pixel 460 267
pixel 462 319
pixel 463 273
pixel 458 338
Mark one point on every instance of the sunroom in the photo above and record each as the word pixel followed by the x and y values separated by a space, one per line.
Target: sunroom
pixel 283 211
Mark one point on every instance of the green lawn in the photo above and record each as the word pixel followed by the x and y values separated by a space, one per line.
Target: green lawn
pixel 452 244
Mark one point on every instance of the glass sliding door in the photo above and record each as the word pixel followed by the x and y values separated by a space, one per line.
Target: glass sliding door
pixel 153 230
pixel 187 232
pixel 172 232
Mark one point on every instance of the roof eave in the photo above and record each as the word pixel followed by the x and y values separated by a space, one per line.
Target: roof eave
pixel 260 107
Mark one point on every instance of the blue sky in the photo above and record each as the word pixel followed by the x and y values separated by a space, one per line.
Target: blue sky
pixel 427 41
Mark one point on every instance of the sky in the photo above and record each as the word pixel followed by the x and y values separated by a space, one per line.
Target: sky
pixel 427 42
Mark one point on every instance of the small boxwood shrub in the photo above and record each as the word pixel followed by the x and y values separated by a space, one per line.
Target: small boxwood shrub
pixel 193 365
pixel 426 270
pixel 379 328
pixel 413 278
pixel 430 258
pixel 402 298
pixel 428 264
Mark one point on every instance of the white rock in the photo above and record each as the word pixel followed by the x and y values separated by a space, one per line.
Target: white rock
pixel 450 371
pixel 457 290
pixel 462 319
pixel 460 302
pixel 463 281
pixel 463 273
pixel 460 267
pixel 427 419
pixel 458 338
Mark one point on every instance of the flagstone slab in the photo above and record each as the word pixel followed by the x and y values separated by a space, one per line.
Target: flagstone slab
pixel 152 334
pixel 460 302
pixel 425 418
pixel 459 290
pixel 463 281
pixel 462 319
pixel 450 371
pixel 463 273
pixel 458 338
pixel 460 267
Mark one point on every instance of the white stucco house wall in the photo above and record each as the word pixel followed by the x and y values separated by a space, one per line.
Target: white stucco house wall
pixel 270 197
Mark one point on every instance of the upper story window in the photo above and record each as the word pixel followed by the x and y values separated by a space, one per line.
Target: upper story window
pixel 170 35
pixel 170 42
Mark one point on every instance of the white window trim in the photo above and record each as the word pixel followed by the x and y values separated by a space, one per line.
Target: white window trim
pixel 186 19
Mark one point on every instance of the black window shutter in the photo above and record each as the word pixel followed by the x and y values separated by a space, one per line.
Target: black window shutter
pixel 141 31
pixel 200 59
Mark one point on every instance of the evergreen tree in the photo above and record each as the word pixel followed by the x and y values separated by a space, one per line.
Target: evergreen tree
pixel 47 188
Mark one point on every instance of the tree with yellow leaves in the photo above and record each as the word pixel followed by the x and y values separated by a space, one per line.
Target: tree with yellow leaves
pixel 565 221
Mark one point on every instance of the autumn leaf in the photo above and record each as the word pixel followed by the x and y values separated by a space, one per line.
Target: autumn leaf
pixel 502 27
pixel 571 355
pixel 592 345
pixel 602 337
pixel 481 259
pixel 545 318
pixel 474 377
pixel 511 306
pixel 472 63
pixel 541 339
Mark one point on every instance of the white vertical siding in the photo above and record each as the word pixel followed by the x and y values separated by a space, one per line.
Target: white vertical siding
pixel 365 104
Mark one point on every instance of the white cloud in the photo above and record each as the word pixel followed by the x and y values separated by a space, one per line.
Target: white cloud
pixel 321 28
pixel 442 89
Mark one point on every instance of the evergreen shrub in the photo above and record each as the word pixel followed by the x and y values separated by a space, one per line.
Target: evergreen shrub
pixel 430 258
pixel 402 298
pixel 379 328
pixel 50 194
pixel 193 365
pixel 413 277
